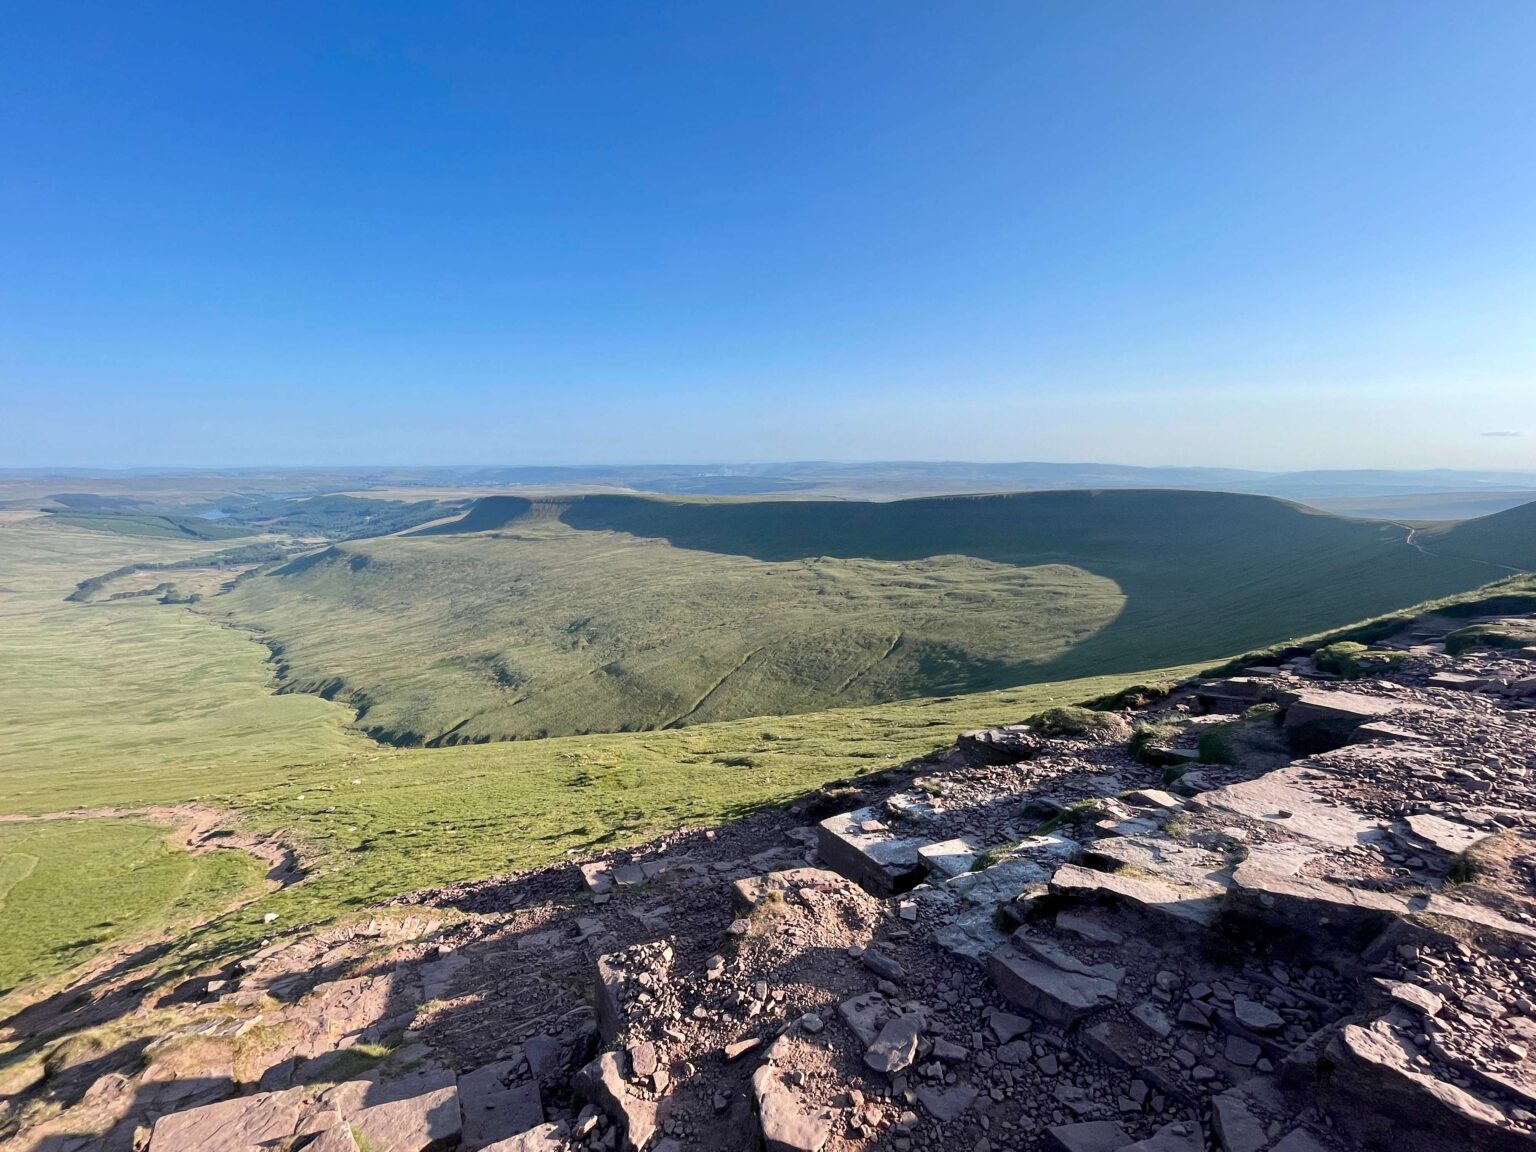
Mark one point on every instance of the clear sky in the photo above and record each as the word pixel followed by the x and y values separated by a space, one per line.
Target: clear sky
pixel 1261 234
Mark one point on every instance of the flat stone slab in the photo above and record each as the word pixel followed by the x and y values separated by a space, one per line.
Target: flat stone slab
pixel 544 1138
pixel 1317 907
pixel 1449 836
pixel 787 1124
pixel 950 857
pixel 1087 1136
pixel 862 846
pixel 1379 1097
pixel 1283 798
pixel 973 934
pixel 1031 862
pixel 426 1121
pixel 865 1015
pixel 230 1125
pixel 895 1047
pixel 1458 680
pixel 493 1109
pixel 1189 906
pixel 1055 996
pixel 946 1104
pixel 1180 1136
pixel 1168 859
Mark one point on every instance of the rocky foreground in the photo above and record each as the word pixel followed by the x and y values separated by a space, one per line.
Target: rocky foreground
pixel 1323 937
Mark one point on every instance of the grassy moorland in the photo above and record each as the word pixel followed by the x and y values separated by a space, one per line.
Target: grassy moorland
pixel 604 613
pixel 130 702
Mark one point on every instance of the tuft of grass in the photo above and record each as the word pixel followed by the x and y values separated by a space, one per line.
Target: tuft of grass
pixel 1071 720
pixel 1216 745
pixel 1464 868
pixel 1136 696
pixel 1144 738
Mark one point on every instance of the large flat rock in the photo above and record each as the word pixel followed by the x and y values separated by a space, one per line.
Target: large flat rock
pixel 495 1109
pixel 788 1125
pixel 1284 798
pixel 1373 1091
pixel 1178 907
pixel 230 1125
pixel 1317 719
pixel 863 846
pixel 1058 997
pixel 1165 858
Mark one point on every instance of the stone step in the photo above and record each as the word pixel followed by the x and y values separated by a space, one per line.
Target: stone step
pixel 864 846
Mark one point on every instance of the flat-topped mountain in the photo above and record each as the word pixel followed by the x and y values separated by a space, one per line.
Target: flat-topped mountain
pixel 528 617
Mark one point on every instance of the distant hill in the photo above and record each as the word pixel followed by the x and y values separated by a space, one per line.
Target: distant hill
pixel 1504 540
pixel 534 617
pixel 869 479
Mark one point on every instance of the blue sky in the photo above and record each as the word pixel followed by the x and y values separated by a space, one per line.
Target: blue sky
pixel 1269 235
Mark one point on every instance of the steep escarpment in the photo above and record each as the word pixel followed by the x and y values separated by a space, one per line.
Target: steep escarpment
pixel 612 613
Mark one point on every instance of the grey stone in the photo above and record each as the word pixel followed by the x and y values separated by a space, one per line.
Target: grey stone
pixel 1087 1136
pixel 1088 926
pixel 787 1126
pixel 950 857
pixel 1237 1128
pixel 865 1015
pixel 881 964
pixel 230 1125
pixel 896 1046
pixel 1259 1017
pixel 603 1083
pixel 1180 1136
pixel 1153 1018
pixel 860 846
pixel 1242 1052
pixel 492 1110
pixel 1058 997
pixel 1299 1140
pixel 946 1104
pixel 544 1138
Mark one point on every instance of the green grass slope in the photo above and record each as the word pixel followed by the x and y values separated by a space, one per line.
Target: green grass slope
pixel 1504 540
pixel 126 703
pixel 603 613
pixel 170 526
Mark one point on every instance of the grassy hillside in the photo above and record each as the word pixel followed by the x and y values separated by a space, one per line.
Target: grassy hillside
pixel 607 613
pixel 1504 540
pixel 170 526
pixel 131 702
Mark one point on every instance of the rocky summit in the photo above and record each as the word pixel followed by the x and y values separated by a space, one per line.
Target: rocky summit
pixel 1277 911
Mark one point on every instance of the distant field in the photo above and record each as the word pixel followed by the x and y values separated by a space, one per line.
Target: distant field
pixel 608 613
pixel 1425 506
pixel 132 702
